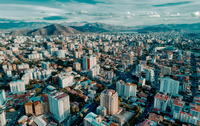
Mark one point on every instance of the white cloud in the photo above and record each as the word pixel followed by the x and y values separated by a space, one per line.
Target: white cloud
pixel 195 14
pixel 118 11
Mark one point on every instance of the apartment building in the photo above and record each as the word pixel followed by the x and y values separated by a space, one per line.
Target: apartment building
pixel 161 101
pixel 59 105
pixel 169 85
pixel 109 100
pixel 2 97
pixel 17 86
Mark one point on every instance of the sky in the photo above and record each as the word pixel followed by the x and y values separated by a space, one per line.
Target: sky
pixel 116 12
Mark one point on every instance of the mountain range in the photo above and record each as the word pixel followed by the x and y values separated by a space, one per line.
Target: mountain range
pixel 44 28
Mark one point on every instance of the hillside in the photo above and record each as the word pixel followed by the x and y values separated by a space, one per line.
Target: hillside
pixel 54 29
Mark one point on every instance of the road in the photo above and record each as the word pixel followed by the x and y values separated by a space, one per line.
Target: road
pixel 92 107
pixel 147 109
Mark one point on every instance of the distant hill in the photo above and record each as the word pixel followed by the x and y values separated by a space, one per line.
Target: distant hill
pixel 42 28
pixel 107 27
pixel 54 29
pixel 23 25
pixel 168 27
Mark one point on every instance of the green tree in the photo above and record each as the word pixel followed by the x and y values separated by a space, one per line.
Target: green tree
pixel 37 90
pixel 85 110
pixel 81 115
pixel 73 110
pixel 77 109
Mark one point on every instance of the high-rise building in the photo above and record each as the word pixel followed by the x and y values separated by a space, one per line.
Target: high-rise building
pixel 2 118
pixel 59 105
pixel 161 101
pixel 61 53
pixel 194 110
pixel 28 108
pixel 2 97
pixel 142 81
pixel 166 70
pixel 120 87
pixel 130 89
pixel 177 105
pixel 17 86
pixel 38 108
pixel 94 71
pixel 139 51
pixel 109 100
pixel 77 66
pixel 149 74
pixel 89 62
pixel 110 74
pixel 139 68
pixel 65 80
pixel 169 85
pixel 45 65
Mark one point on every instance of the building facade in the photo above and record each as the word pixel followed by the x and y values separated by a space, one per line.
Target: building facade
pixel 169 85
pixel 89 62
pixel 109 100
pixel 17 86
pixel 161 101
pixel 2 97
pixel 59 105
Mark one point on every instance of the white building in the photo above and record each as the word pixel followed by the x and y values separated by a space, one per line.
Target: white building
pixel 166 70
pixel 92 119
pixel 110 74
pixel 109 100
pixel 23 66
pixel 2 118
pixel 139 68
pixel 65 80
pixel 94 71
pixel 170 56
pixel 35 56
pixel 45 65
pixel 59 105
pixel 8 73
pixel 89 62
pixel 120 87
pixel 60 53
pixel 130 89
pixel 17 86
pixel 2 97
pixel 149 74
pixel 169 85
pixel 161 101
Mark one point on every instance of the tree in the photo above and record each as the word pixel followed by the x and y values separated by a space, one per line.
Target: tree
pixel 38 90
pixel 29 87
pixel 81 105
pixel 73 109
pixel 1 74
pixel 77 109
pixel 120 99
pixel 81 115
pixel 85 110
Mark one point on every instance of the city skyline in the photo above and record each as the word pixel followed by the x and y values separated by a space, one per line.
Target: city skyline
pixel 127 13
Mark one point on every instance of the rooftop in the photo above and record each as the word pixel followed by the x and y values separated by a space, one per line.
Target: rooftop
pixel 162 97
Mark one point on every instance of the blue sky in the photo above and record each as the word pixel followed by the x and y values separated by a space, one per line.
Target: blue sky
pixel 117 12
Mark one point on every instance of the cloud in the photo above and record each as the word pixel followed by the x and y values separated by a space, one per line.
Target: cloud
pixel 195 14
pixel 55 18
pixel 172 4
pixel 143 12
